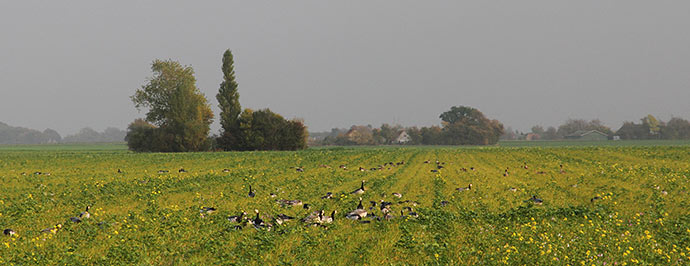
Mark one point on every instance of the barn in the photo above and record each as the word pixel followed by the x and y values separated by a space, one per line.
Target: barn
pixel 587 135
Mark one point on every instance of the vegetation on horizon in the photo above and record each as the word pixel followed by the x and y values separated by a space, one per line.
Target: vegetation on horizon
pixel 462 125
pixel 179 116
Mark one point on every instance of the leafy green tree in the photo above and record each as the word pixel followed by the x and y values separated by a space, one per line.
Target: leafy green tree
pixel 539 130
pixel 550 133
pixel 573 125
pixel 415 136
pixel 229 103
pixel 464 114
pixel 652 124
pixel 676 128
pixel 176 106
pixel 432 135
pixel 140 135
pixel 52 136
pixel 294 135
pixel 266 130
pixel 466 125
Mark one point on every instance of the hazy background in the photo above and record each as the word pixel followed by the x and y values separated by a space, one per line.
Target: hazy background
pixel 70 64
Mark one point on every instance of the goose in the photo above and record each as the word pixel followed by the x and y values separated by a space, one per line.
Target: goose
pixel 251 192
pixel 398 195
pixel 306 206
pixel 207 210
pixel 525 166
pixel 535 200
pixel 388 216
pixel 361 169
pixel 85 214
pixel 461 189
pixel 163 171
pixel 237 218
pixel 299 169
pixel 328 195
pixel 342 166
pixel 439 167
pixel 444 203
pixel 505 173
pixel 595 198
pixel 290 202
pixel 273 195
pixel 226 170
pixel 358 213
pixel 283 218
pixel 664 192
pixel 427 161
pixel 385 204
pixel 329 219
pixel 412 213
pixel 512 189
pixel 385 209
pixel 119 171
pixel 434 171
pixel 562 170
pixel 472 168
pixel 360 190
pixel 258 223
pixel 53 229
pixel 314 217
pixel 9 232
pixel 75 219
pixel 182 170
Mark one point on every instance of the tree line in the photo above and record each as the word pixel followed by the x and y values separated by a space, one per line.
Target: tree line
pixel 179 116
pixel 461 125
pixel 21 135
pixel 649 127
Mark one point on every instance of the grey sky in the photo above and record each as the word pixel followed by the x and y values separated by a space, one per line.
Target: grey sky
pixel 69 64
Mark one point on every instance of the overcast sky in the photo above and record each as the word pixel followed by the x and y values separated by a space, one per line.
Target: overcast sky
pixel 70 64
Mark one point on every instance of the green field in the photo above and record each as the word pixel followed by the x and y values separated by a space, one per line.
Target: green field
pixel 143 217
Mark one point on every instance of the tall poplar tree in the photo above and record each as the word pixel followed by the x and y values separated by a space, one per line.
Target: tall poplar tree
pixel 229 103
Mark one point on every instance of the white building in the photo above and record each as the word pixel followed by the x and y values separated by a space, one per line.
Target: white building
pixel 402 138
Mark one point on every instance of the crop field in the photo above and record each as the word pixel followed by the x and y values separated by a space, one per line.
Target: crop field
pixel 525 205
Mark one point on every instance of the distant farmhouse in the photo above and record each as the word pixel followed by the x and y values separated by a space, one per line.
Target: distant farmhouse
pixel 532 136
pixel 402 138
pixel 587 135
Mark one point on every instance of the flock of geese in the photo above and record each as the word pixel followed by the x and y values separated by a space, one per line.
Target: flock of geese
pixel 378 211
pixel 319 218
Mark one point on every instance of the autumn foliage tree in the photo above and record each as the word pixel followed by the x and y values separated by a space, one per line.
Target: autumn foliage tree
pixel 179 116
